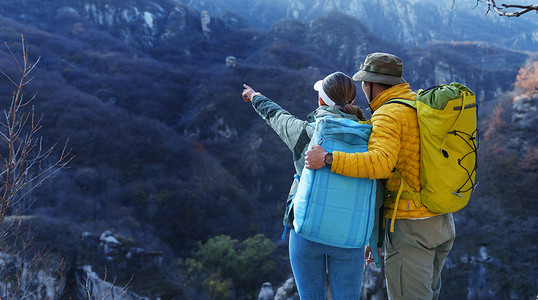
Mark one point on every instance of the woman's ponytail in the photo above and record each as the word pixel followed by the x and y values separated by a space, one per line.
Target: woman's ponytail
pixel 354 110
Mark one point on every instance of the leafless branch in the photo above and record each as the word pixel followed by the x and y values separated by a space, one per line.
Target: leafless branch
pixel 501 12
pixel 25 163
pixel 9 78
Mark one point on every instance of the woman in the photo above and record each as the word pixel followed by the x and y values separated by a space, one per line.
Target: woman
pixel 311 261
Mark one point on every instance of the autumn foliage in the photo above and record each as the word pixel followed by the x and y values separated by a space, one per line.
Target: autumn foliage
pixel 527 79
pixel 496 121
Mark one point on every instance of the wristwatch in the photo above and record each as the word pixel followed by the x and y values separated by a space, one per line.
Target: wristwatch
pixel 328 159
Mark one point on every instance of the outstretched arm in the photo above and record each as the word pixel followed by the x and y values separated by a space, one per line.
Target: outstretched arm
pixel 293 131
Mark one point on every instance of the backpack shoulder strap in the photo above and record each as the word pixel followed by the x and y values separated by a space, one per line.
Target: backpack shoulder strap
pixel 403 101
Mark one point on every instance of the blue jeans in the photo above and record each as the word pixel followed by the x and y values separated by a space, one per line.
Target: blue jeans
pixel 310 262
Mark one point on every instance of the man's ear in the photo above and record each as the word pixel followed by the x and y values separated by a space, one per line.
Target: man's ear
pixel 320 102
pixel 371 89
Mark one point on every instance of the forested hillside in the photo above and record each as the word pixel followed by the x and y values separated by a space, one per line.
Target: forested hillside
pixel 191 183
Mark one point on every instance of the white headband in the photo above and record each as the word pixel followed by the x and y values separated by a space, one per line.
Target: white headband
pixel 318 86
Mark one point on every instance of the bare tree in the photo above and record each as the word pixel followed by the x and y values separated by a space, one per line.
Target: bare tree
pixel 519 9
pixel 25 163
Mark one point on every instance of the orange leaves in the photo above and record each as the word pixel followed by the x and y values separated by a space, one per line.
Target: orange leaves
pixel 527 79
pixel 495 122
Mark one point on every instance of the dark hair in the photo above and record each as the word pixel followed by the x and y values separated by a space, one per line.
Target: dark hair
pixel 384 85
pixel 342 90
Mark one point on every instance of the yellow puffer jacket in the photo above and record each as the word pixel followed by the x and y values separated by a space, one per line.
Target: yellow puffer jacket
pixel 394 142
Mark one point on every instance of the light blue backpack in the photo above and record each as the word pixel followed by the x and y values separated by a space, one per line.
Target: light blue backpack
pixel 330 208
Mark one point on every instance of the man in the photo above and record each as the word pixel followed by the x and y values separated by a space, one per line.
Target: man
pixel 419 241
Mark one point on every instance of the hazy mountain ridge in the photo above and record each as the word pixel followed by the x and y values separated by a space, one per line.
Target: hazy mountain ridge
pixel 167 152
pixel 159 29
pixel 408 22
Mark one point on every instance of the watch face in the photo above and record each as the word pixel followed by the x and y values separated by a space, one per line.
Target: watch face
pixel 328 159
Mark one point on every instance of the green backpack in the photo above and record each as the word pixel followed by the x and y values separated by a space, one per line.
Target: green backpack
pixel 447 118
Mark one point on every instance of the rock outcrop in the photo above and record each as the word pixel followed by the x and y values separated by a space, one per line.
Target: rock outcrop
pixel 287 291
pixel 410 20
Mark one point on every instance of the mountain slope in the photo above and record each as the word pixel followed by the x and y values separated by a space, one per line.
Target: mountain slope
pixel 167 154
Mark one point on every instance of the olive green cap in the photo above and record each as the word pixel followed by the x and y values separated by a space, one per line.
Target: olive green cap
pixel 381 68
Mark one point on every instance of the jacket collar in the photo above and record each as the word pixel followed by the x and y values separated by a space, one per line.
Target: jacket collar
pixel 325 110
pixel 398 91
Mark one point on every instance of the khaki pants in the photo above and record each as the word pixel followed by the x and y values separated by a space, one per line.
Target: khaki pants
pixel 415 254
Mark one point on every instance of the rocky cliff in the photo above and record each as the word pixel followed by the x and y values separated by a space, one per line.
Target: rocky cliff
pixel 170 156
pixel 455 54
pixel 408 22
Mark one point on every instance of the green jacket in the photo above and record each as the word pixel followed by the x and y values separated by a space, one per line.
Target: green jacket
pixel 295 133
